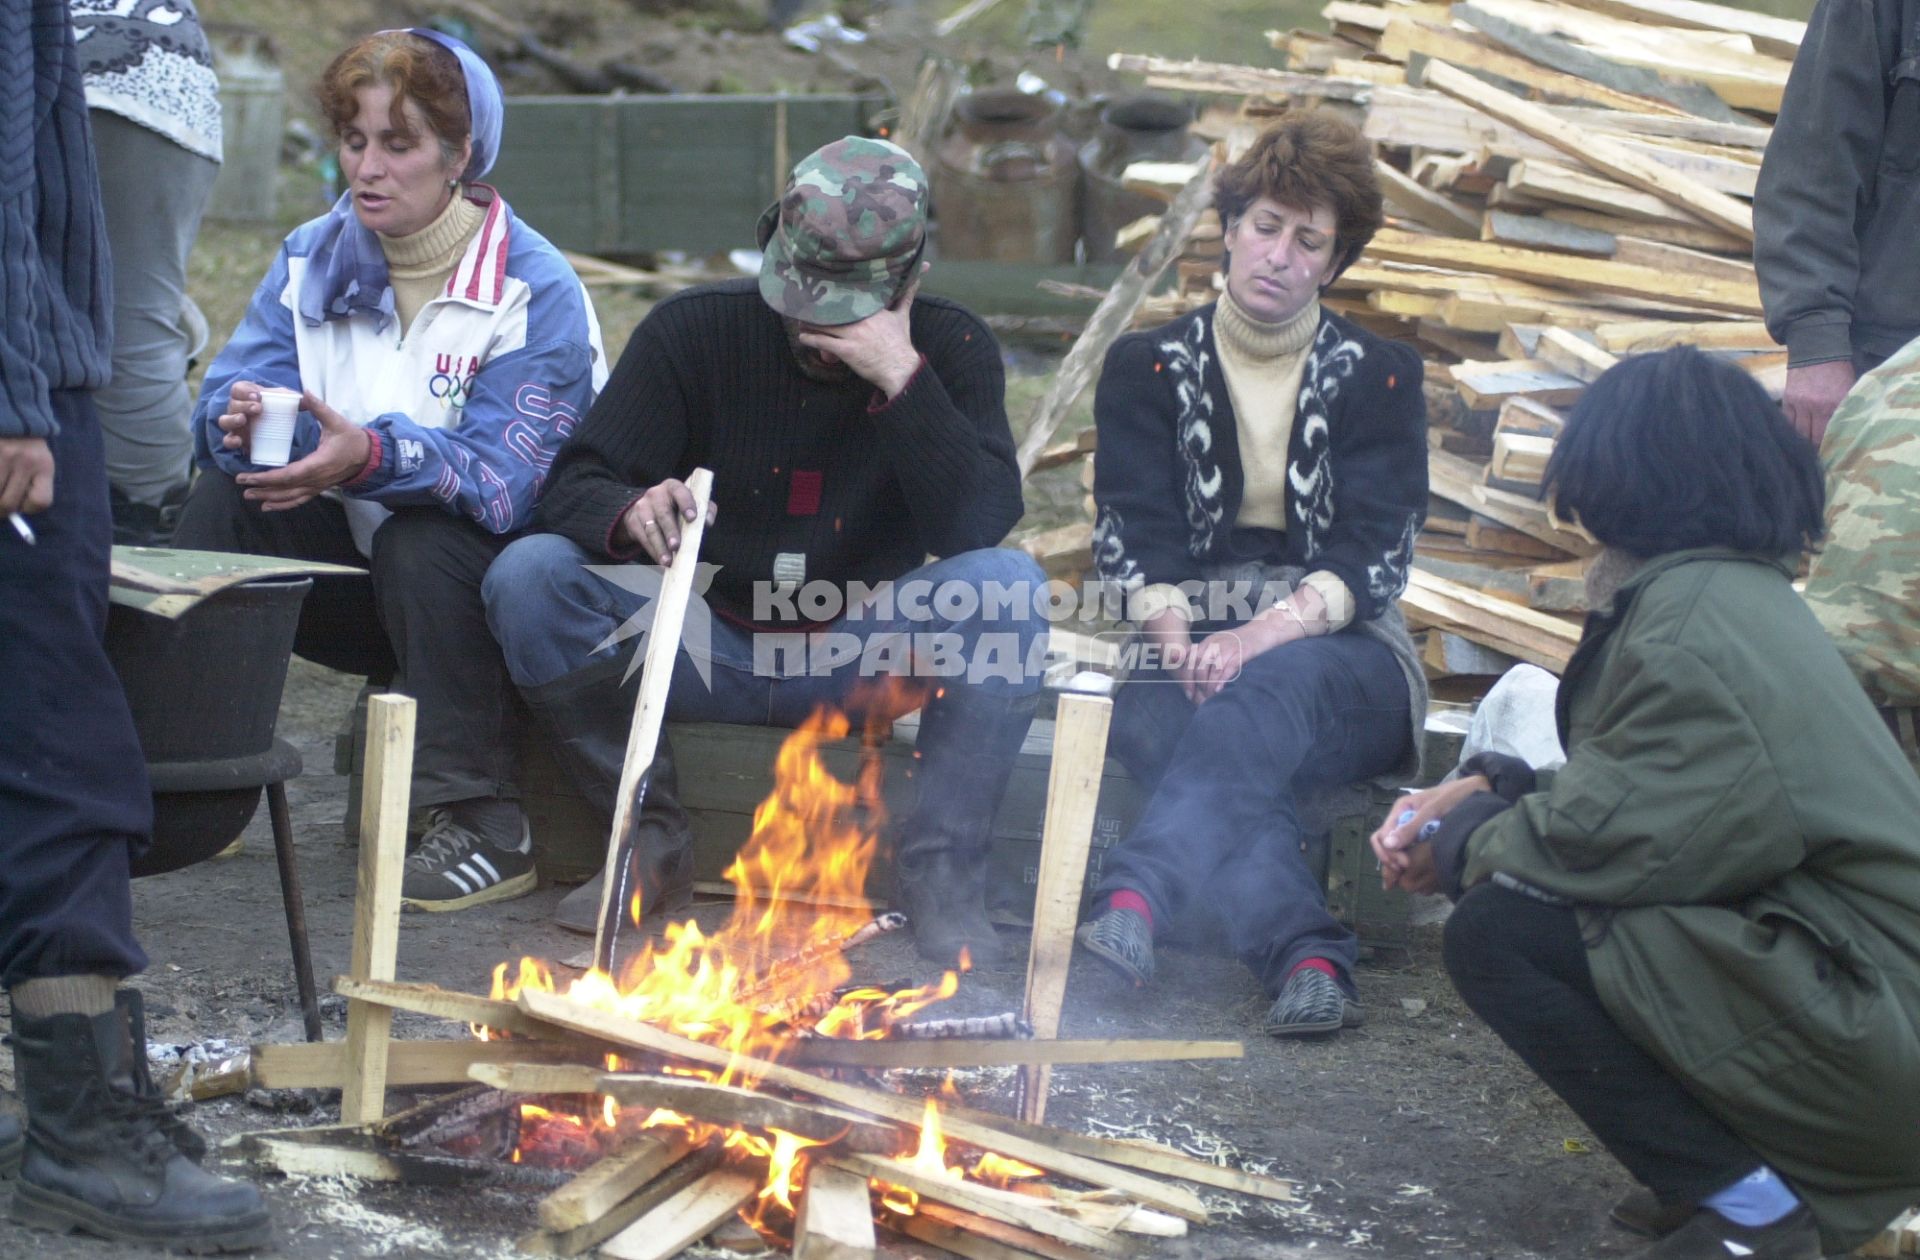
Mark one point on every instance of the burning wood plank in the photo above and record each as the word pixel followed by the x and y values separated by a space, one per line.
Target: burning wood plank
pixel 1144 1156
pixel 935 1053
pixel 685 1218
pixel 979 1237
pixel 596 1023
pixel 836 1217
pixel 716 1104
pixel 615 1179
pixel 323 1064
pixel 449 1004
pixel 803 960
pixel 665 1185
pixel 999 1205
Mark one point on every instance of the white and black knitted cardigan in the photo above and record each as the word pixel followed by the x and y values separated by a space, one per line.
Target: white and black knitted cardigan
pixel 1168 479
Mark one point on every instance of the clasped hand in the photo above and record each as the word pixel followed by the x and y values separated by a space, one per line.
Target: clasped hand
pixel 340 456
pixel 1406 860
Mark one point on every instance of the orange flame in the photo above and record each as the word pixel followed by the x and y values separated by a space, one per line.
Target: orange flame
pixel 743 987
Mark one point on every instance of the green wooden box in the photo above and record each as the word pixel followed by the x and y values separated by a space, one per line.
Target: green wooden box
pixel 637 174
pixel 726 771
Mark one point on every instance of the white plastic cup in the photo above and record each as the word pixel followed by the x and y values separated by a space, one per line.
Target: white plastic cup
pixel 271 443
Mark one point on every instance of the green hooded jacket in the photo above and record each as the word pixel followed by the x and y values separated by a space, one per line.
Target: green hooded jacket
pixel 1741 835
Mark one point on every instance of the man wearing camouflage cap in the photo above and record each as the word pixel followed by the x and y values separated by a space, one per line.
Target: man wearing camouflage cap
pixel 853 430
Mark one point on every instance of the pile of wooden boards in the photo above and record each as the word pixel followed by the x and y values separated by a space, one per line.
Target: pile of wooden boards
pixel 653 1193
pixel 1567 182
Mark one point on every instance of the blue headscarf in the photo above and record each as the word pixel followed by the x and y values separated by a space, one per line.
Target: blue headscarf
pixel 346 269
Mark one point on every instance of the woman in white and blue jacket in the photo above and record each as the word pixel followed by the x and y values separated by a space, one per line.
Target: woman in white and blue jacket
pixel 444 350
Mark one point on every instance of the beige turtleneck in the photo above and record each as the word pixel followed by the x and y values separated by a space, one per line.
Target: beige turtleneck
pixel 418 265
pixel 1263 364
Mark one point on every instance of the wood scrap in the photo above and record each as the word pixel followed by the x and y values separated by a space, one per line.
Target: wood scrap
pixel 1538 638
pixel 835 1220
pixel 613 1180
pixel 683 1219
pixel 1013 1209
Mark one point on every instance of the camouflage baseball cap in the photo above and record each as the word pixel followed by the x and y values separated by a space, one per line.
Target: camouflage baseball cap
pixel 847 233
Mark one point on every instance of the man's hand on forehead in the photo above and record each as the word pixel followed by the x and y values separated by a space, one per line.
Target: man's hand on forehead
pixel 879 349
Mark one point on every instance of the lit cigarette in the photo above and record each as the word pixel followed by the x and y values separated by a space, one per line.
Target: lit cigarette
pixel 23 529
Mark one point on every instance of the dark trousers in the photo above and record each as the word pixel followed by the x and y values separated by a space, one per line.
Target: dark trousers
pixel 415 622
pixel 74 802
pixel 1522 967
pixel 1221 833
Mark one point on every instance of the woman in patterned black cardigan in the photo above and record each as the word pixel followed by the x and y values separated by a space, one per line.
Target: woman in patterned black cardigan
pixel 1262 474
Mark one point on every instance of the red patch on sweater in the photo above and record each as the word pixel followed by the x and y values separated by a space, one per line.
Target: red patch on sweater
pixel 803 493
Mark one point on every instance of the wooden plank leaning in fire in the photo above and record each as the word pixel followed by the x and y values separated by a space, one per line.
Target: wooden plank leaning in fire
pixel 716 1104
pixel 835 1217
pixel 608 1027
pixel 643 737
pixel 937 1052
pixel 1146 1156
pixel 998 1205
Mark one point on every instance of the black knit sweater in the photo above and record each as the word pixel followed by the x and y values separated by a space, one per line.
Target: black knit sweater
pixel 1168 480
pixel 864 488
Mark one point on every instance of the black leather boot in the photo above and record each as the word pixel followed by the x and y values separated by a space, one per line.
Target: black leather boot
pixel 104 1154
pixel 588 713
pixel 967 745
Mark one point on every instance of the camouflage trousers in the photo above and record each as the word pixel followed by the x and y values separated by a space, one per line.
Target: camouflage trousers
pixel 1864 583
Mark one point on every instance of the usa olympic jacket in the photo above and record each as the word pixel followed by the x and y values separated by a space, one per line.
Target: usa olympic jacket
pixel 466 408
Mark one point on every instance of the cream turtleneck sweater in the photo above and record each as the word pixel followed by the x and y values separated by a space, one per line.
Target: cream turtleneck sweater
pixel 1262 364
pixel 418 265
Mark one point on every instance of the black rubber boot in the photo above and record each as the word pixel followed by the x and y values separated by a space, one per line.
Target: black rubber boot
pixel 967 746
pixel 104 1155
pixel 13 1144
pixel 588 713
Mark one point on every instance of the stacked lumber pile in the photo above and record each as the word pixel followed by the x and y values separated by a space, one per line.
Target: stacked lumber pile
pixel 1567 182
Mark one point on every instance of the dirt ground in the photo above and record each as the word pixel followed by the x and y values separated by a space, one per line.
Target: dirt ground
pixel 1415 1135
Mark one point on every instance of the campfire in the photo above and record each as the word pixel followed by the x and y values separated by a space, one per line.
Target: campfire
pixel 747 1073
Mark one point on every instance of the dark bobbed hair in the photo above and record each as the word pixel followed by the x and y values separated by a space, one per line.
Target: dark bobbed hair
pixel 1310 157
pixel 417 70
pixel 1671 451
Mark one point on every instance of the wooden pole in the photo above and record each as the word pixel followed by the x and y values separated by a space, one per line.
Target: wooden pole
pixel 1115 312
pixel 1066 836
pixel 376 902
pixel 836 1217
pixel 650 705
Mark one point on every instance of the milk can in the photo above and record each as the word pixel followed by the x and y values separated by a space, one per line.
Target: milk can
pixel 1005 181
pixel 253 112
pixel 1139 128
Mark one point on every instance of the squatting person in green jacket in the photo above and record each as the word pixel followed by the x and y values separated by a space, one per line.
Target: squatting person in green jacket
pixel 1703 932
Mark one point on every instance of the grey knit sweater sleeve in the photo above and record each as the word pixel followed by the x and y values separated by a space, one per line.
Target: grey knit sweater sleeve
pixel 55 303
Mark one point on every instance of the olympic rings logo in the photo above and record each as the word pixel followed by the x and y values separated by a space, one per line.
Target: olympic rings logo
pixel 450 389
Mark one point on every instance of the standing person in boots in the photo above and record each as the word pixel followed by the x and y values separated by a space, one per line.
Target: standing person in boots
pixel 853 429
pixel 1703 930
pixel 101 1151
pixel 1263 471
pixel 445 349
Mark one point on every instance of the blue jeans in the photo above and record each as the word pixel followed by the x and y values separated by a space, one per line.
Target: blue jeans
pixel 553 614
pixel 1220 833
pixel 976 659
